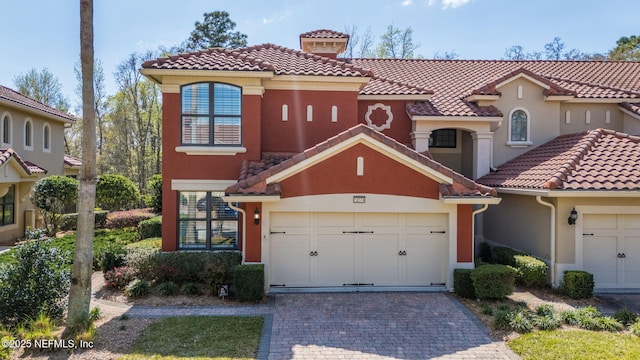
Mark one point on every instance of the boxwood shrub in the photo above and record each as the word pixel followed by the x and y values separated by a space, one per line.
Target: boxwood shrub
pixel 150 228
pixel 505 255
pixel 493 281
pixel 462 283
pixel 530 271
pixel 577 284
pixel 249 282
pixel 198 267
pixel 70 221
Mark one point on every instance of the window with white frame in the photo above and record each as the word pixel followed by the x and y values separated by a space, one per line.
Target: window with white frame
pixel 206 222
pixel 519 127
pixel 211 115
pixel 28 134
pixel 6 129
pixel 46 138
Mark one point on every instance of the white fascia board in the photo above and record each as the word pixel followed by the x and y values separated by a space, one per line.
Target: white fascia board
pixel 525 76
pixel 154 74
pixel 251 198
pixel 559 98
pixel 201 185
pixel 571 193
pixel 630 113
pixel 475 98
pixel 35 111
pixel 603 101
pixel 472 200
pixel 367 141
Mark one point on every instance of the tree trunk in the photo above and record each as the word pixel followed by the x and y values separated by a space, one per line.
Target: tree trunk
pixel 80 292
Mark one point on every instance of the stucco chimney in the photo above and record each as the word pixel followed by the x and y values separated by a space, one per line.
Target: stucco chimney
pixel 327 43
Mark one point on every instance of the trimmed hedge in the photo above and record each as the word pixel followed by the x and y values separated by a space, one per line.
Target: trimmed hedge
pixel 249 282
pixel 462 283
pixel 70 221
pixel 130 218
pixel 505 255
pixel 577 284
pixel 199 267
pixel 531 272
pixel 493 281
pixel 484 251
pixel 151 228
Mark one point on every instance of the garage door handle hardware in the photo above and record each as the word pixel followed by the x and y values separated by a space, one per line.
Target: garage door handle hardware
pixel 437 284
pixel 357 284
pixel 313 253
pixel 439 232
pixel 588 234
pixel 402 253
pixel 277 285
pixel 622 255
pixel 277 232
pixel 357 232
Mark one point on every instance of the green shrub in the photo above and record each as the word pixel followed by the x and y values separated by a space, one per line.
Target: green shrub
pixel 502 319
pixel 140 259
pixel 116 192
pixel 150 243
pixel 520 321
pixel 167 288
pixel 625 316
pixel 111 260
pixel 190 289
pixel 126 219
pixel 505 256
pixel 36 282
pixel 52 195
pixel 635 328
pixel 547 322
pixel 577 284
pixel 137 288
pixel 151 228
pixel 493 281
pixel 531 272
pixel 199 267
pixel 569 317
pixel 545 310
pixel 462 283
pixel 486 309
pixel 607 323
pixel 70 221
pixel 249 282
pixel 154 186
pixel 485 252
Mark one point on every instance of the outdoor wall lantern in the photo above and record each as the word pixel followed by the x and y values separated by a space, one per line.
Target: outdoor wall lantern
pixel 256 216
pixel 573 217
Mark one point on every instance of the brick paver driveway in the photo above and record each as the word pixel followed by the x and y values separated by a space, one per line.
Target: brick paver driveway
pixel 378 326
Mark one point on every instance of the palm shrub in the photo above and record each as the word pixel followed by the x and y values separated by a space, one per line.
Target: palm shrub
pixel 37 282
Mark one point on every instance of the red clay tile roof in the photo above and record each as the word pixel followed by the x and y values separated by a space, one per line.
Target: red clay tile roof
pixel 30 168
pixel 72 160
pixel 593 160
pixel 490 88
pixel 13 97
pixel 324 34
pixel 266 57
pixel 453 80
pixel 253 176
pixel 633 107
pixel 382 86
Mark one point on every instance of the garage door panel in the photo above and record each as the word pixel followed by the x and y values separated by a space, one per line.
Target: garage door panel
pixel 335 260
pixel 289 252
pixel 429 220
pixel 600 259
pixel 632 261
pixel 631 223
pixel 600 222
pixel 379 220
pixel 378 259
pixel 425 259
pixel 290 220
pixel 335 220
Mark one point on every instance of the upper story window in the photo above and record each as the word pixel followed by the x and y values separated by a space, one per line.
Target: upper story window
pixel 211 115
pixel 6 130
pixel 28 134
pixel 443 138
pixel 46 138
pixel 519 127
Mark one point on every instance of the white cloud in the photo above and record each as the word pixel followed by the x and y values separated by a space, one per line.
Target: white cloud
pixel 449 3
pixel 407 2
pixel 274 18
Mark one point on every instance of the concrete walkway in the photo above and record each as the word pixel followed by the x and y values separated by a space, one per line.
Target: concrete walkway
pixel 383 325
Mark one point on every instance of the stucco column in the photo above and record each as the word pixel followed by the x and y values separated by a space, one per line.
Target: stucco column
pixel 482 153
pixel 420 140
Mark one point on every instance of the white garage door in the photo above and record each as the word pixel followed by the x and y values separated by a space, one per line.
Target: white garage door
pixel 347 249
pixel 611 245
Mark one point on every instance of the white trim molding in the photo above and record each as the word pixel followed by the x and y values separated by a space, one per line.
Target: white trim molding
pixel 200 185
pixel 211 150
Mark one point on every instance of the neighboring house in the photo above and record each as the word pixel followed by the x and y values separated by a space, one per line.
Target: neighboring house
pixel 280 135
pixel 31 146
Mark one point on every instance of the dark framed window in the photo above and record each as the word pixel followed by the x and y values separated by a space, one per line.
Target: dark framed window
pixel 6 130
pixel 46 137
pixel 211 114
pixel 443 138
pixel 519 126
pixel 8 207
pixel 28 135
pixel 206 222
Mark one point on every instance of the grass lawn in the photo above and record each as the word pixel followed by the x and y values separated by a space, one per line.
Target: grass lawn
pixel 199 337
pixel 576 344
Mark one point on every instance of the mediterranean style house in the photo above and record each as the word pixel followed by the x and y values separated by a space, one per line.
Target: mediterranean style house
pixel 31 146
pixel 387 172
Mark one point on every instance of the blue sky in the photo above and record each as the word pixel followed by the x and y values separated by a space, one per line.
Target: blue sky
pixel 44 33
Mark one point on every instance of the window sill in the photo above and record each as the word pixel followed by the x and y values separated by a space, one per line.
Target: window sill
pixel 211 150
pixel 519 144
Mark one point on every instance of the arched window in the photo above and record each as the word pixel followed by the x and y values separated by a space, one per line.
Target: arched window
pixel 519 125
pixel 211 114
pixel 46 138
pixel 28 134
pixel 6 130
